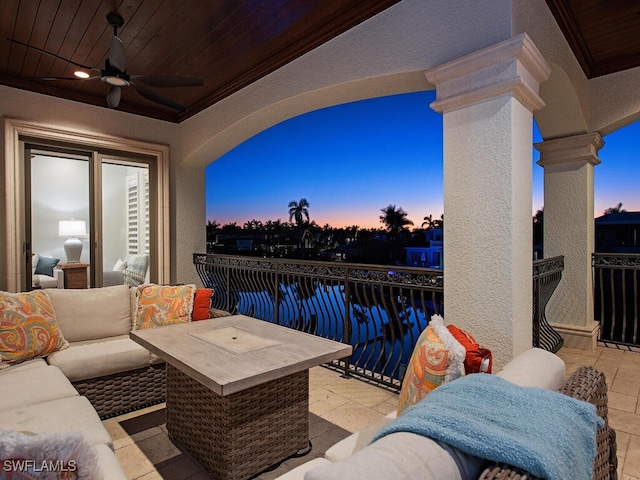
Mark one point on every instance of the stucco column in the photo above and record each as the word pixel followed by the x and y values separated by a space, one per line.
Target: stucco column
pixel 569 230
pixel 487 99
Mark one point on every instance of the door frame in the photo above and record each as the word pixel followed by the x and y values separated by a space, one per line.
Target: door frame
pixel 12 230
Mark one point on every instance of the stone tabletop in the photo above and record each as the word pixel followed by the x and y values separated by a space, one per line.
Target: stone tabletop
pixel 230 354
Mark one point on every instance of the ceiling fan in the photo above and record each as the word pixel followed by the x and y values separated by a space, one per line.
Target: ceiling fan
pixel 115 73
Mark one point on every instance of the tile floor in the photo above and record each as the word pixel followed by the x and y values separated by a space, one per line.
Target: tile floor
pixel 339 407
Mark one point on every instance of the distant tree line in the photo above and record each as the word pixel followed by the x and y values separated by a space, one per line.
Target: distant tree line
pixel 369 245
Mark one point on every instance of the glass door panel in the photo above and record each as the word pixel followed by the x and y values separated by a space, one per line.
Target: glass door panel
pixel 58 213
pixel 125 222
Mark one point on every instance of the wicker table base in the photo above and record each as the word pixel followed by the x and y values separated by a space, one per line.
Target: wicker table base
pixel 236 437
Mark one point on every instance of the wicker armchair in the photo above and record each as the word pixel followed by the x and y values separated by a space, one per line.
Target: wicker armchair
pixel 589 385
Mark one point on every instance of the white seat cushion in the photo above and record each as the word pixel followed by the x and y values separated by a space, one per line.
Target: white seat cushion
pixel 357 441
pixel 108 464
pixel 65 414
pixel 535 368
pixel 98 358
pixel 400 456
pixel 86 314
pixel 299 472
pixel 37 385
pixel 23 366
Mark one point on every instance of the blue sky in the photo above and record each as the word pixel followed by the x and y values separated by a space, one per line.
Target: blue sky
pixel 350 161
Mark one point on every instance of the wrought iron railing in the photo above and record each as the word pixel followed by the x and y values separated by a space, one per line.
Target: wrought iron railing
pixel 616 294
pixel 546 277
pixel 379 310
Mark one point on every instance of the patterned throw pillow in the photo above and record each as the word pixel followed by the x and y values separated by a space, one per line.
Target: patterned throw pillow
pixel 202 304
pixel 437 358
pixel 158 305
pixel 28 327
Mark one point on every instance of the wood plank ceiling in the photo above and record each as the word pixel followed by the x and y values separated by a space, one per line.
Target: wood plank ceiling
pixel 226 43
pixel 232 43
pixel 603 34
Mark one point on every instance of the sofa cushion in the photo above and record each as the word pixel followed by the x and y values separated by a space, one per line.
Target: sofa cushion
pixel 58 416
pixel 159 305
pixel 535 368
pixel 299 472
pixel 24 366
pixel 28 327
pixel 358 440
pixel 436 358
pixel 98 358
pixel 108 464
pixel 85 314
pixel 36 385
pixel 399 456
pixel 68 453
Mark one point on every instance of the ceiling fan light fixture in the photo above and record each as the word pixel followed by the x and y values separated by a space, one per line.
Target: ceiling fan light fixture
pixel 116 81
pixel 81 74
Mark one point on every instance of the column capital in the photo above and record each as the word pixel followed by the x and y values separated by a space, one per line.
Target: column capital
pixel 514 67
pixel 574 149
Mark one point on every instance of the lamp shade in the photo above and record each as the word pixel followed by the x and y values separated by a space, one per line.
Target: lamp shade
pixel 72 228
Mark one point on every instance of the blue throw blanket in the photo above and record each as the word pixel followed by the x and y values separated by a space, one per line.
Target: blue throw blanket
pixel 546 433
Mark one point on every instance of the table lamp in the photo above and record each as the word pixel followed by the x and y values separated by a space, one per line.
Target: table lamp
pixel 73 246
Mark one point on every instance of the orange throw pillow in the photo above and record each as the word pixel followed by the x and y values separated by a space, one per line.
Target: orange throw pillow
pixel 476 354
pixel 202 304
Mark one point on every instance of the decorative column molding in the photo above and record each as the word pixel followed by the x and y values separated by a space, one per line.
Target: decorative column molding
pixel 514 67
pixel 566 150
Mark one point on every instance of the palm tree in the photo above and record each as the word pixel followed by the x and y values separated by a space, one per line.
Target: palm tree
pixel 395 220
pixel 617 209
pixel 298 211
pixel 212 228
pixel 428 222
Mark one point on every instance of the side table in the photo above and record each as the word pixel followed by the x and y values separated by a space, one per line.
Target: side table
pixel 75 274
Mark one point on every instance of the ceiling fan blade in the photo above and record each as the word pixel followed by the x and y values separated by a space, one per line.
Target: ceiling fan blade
pixel 168 81
pixel 117 57
pixel 67 78
pixel 154 96
pixel 113 98
pixel 52 54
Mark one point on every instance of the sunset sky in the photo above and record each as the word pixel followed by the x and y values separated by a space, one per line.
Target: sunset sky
pixel 352 160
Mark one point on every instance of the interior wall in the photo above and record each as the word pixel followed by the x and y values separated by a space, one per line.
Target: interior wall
pixel 59 191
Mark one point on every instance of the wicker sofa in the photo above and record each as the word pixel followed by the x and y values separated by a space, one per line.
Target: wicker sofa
pixel 409 456
pixel 102 373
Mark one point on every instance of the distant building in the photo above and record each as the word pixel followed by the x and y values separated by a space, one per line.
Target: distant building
pixel 618 233
pixel 430 255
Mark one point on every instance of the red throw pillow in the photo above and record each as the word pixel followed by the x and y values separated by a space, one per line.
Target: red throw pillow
pixel 201 304
pixel 476 354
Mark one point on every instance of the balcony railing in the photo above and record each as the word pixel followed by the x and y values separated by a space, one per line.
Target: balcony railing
pixel 616 294
pixel 379 310
pixel 546 277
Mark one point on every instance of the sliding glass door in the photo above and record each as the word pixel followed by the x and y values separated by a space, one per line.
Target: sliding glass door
pixel 126 221
pixel 102 202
